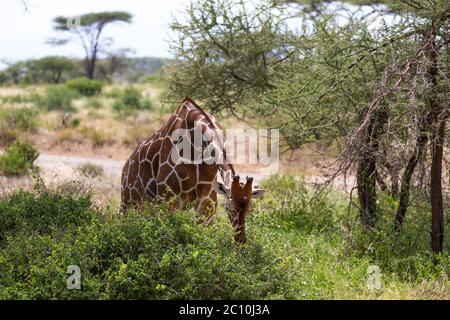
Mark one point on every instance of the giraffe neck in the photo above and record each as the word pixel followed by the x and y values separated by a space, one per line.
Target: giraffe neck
pixel 226 169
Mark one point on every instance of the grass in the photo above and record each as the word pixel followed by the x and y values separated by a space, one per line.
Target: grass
pixel 16 121
pixel 23 119
pixel 299 246
pixel 94 103
pixel 90 170
pixel 137 133
pixel 91 121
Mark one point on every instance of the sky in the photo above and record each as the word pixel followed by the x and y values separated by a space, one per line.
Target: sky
pixel 24 32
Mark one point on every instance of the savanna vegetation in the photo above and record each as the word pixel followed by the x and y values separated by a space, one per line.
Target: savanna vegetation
pixel 359 91
pixel 300 246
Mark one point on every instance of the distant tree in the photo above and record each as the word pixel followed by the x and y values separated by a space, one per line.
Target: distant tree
pixel 15 71
pixel 87 29
pixel 49 69
pixel 115 62
pixel 3 77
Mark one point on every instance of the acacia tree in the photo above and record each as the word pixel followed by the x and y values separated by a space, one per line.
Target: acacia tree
pixel 87 30
pixel 421 75
pixel 378 93
pixel 415 76
pixel 49 69
pixel 231 48
pixel 16 71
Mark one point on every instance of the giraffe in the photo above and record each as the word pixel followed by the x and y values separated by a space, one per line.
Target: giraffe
pixel 151 172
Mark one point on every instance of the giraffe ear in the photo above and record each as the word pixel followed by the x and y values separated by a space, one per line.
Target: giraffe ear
pixel 221 188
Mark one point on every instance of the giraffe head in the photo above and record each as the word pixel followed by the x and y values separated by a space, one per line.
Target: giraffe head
pixel 238 203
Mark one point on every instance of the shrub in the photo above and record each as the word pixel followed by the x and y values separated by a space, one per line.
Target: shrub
pixel 58 97
pixel 8 136
pixel 130 101
pixel 156 253
pixel 18 158
pixel 42 212
pixel 74 122
pixel 143 255
pixel 90 170
pixel 85 86
pixel 23 119
pixel 98 137
pixel 120 108
pixel 132 98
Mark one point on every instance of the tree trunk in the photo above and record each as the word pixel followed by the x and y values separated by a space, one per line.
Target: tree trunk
pixel 419 149
pixel 90 68
pixel 366 175
pixel 437 150
pixel 437 206
pixel 366 181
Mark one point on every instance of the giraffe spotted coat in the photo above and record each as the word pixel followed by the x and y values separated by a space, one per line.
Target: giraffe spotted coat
pixel 150 172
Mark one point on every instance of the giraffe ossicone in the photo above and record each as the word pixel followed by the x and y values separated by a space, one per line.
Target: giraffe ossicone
pixel 182 160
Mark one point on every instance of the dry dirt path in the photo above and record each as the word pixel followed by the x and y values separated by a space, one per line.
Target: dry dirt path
pixel 57 169
pixel 66 167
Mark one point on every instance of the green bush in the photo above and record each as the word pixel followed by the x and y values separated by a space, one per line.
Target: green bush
pixel 85 86
pixel 18 158
pixel 132 98
pixel 42 212
pixel 74 122
pixel 143 255
pixel 130 101
pixel 308 249
pixel 296 208
pixel 58 97
pixel 23 119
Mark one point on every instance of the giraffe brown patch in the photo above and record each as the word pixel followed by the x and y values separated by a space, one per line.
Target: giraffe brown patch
pixel 164 171
pixel 145 172
pixel 173 183
pixel 166 151
pixel 188 176
pixel 204 189
pixel 207 172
